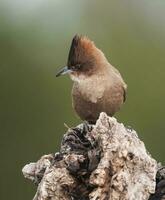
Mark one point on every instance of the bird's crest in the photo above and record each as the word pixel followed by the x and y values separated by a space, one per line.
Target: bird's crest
pixel 81 48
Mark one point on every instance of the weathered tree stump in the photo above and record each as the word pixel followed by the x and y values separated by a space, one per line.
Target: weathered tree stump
pixel 106 161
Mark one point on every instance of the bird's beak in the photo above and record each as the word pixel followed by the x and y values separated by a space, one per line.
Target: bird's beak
pixel 64 70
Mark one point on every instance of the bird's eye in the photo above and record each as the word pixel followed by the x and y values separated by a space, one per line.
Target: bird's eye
pixel 73 68
pixel 76 67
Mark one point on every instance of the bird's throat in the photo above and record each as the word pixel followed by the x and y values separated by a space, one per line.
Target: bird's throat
pixel 78 78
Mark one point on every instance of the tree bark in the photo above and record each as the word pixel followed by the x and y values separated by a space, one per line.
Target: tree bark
pixel 105 161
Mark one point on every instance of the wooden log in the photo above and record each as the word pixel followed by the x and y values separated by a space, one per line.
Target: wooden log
pixel 105 161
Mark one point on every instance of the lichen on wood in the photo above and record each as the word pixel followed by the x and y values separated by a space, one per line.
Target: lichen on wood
pixel 105 161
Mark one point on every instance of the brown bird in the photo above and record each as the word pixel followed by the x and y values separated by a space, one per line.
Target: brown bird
pixel 98 86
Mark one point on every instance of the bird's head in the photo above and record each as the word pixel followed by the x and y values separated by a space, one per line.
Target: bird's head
pixel 84 59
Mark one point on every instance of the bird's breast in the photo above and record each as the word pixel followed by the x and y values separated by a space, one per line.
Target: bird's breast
pixel 91 89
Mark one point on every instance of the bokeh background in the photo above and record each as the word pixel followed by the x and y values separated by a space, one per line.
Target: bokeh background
pixel 35 36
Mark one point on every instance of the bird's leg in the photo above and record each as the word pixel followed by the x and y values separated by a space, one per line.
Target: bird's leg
pixel 87 127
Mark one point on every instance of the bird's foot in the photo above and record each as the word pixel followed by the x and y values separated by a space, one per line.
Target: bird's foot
pixel 87 127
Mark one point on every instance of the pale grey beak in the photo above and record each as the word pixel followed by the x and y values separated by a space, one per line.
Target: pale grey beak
pixel 64 70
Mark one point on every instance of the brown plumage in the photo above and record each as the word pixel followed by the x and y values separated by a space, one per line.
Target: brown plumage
pixel 98 86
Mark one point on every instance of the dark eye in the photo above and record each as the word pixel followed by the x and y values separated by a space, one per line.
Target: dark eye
pixel 76 67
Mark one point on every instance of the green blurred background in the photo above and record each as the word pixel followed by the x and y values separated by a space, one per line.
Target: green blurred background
pixel 35 36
